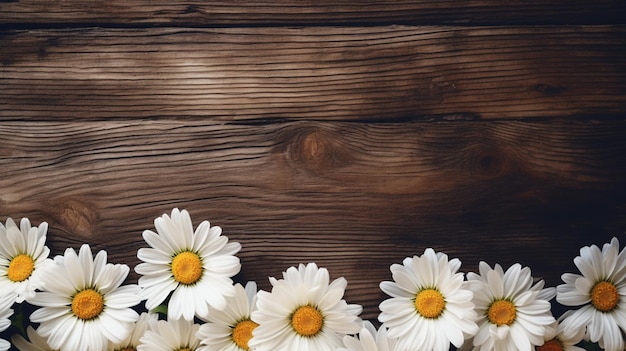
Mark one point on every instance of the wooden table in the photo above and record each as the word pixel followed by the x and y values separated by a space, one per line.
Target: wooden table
pixel 351 134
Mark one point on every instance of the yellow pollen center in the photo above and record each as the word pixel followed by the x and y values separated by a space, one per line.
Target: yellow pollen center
pixel 128 349
pixel 185 349
pixel 87 304
pixel 604 296
pixel 502 312
pixel 242 333
pixel 551 345
pixel 429 303
pixel 307 321
pixel 187 268
pixel 20 268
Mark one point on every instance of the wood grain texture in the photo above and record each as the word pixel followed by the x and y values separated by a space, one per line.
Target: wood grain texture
pixel 353 197
pixel 377 73
pixel 298 13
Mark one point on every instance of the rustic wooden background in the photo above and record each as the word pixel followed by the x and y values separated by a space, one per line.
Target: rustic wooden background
pixel 352 134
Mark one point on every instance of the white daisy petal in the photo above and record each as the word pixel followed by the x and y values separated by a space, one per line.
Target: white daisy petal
pixel 170 335
pixel 495 283
pixel 17 240
pixel 154 256
pixel 35 341
pixel 6 301
pixel 154 240
pixel 369 339
pixel 586 267
pixel 156 295
pixel 123 296
pixel 146 321
pixel 392 289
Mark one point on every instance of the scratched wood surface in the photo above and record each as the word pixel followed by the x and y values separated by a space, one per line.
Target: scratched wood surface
pixel 352 136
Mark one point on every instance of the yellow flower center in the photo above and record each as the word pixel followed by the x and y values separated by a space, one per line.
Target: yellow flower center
pixel 502 312
pixel 242 333
pixel 551 345
pixel 185 349
pixel 307 320
pixel 430 303
pixel 87 304
pixel 604 296
pixel 187 267
pixel 130 348
pixel 20 268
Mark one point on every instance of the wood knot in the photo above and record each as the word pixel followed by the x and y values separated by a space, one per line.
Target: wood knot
pixel 491 164
pixel 76 217
pixel 315 146
pixel 318 149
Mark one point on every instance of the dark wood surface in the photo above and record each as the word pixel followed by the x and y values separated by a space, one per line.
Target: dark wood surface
pixel 134 13
pixel 352 136
pixel 355 73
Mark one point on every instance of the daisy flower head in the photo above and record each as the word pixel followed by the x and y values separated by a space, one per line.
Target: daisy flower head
pixel 600 291
pixel 83 305
pixel 514 314
pixel 23 257
pixel 171 335
pixel 230 329
pixel 195 267
pixel 556 339
pixel 146 321
pixel 6 301
pixel 304 312
pixel 35 341
pixel 369 339
pixel 430 307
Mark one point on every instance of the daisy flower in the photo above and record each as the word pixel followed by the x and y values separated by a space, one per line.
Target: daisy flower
pixel 556 339
pixel 303 312
pixel 146 321
pixel 6 301
pixel 513 313
pixel 369 339
pixel 83 306
pixel 601 294
pixel 230 329
pixel 35 341
pixel 23 257
pixel 430 307
pixel 171 335
pixel 195 267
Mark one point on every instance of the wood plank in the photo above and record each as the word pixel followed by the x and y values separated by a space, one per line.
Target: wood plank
pixel 323 12
pixel 378 73
pixel 354 197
